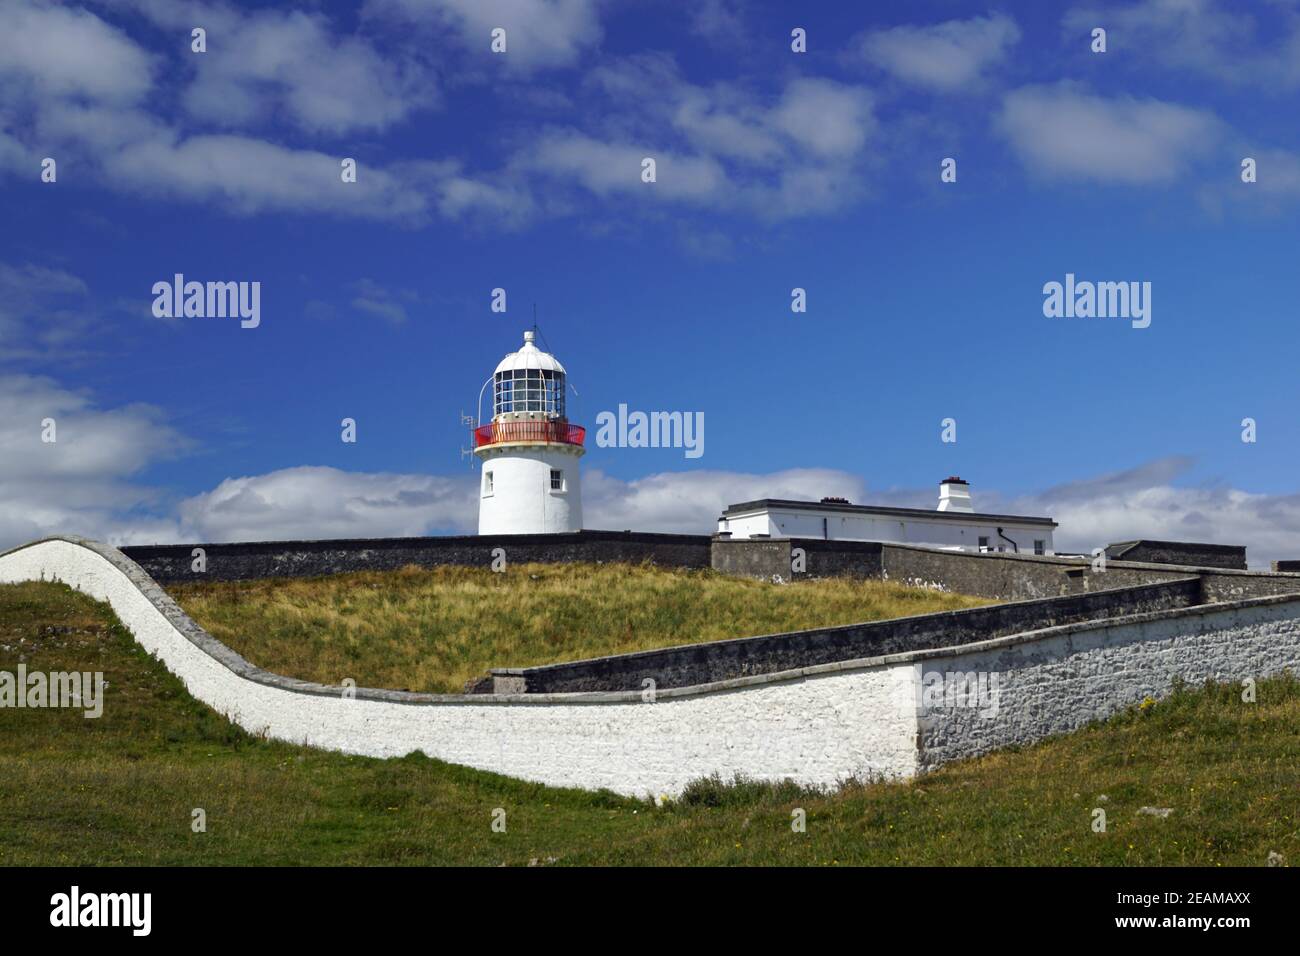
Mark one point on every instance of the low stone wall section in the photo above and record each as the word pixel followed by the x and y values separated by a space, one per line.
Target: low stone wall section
pixel 1048 682
pixel 1018 576
pixel 742 657
pixel 294 559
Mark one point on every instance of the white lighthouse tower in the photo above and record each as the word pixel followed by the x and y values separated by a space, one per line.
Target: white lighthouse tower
pixel 529 451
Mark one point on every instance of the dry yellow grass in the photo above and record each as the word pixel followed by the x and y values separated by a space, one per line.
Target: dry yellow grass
pixel 434 630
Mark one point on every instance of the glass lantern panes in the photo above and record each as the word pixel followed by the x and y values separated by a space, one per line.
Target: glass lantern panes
pixel 528 390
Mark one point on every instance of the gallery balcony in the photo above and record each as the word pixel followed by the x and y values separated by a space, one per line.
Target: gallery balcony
pixel 534 432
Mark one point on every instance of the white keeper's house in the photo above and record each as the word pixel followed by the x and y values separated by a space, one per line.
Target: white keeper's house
pixel 955 524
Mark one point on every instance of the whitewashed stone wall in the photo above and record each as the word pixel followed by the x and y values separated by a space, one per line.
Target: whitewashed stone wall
pixel 817 726
pixel 1059 679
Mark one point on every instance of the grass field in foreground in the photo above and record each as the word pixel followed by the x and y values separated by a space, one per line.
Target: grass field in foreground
pixel 121 789
pixel 433 630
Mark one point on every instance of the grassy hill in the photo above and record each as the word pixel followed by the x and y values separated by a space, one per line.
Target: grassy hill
pixel 122 789
pixel 433 630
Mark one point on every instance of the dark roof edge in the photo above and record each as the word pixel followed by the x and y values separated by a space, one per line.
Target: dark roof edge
pixel 1209 545
pixel 773 503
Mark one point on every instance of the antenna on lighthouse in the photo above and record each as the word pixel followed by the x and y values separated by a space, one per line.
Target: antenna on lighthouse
pixel 470 422
pixel 537 332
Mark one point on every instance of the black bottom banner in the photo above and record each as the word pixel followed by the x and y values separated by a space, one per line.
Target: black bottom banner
pixel 358 904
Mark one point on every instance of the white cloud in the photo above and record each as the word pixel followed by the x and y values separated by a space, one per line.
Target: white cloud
pixel 95 129
pixel 719 147
pixel 690 502
pixel 728 130
pixel 828 119
pixel 44 313
pixel 93 116
pixel 1278 172
pixel 718 20
pixel 947 56
pixel 79 483
pixel 272 64
pixel 539 33
pixel 248 176
pixel 318 502
pixel 291 61
pixel 388 304
pixel 811 116
pixel 1063 131
pixel 1226 42
pixel 457 196
pixel 1144 502
pixel 605 168
pixel 801 151
pixel 15 156
pixel 66 52
pixel 1273 193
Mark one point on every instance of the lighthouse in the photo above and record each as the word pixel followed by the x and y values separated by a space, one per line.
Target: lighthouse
pixel 529 451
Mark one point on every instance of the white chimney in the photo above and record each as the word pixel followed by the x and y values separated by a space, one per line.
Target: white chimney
pixel 954 495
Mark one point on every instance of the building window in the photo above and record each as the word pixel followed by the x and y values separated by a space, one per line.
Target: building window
pixel 557 480
pixel 984 543
pixel 1040 547
pixel 487 483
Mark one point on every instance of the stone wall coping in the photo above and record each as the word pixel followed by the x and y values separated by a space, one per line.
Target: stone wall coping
pixel 362 544
pixel 243 668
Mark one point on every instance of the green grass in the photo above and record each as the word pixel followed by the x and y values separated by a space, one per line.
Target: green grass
pixel 434 630
pixel 120 789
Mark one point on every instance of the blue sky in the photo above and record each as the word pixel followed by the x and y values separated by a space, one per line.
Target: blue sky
pixel 775 170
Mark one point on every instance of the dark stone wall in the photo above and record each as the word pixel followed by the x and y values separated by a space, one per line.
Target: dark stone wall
pixel 768 557
pixel 1187 553
pixel 1010 577
pixel 859 559
pixel 752 557
pixel 996 575
pixel 268 559
pixel 1237 585
pixel 722 660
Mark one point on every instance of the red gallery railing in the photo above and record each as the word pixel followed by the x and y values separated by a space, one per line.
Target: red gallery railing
pixel 498 433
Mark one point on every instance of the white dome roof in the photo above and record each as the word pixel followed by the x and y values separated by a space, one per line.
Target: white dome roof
pixel 530 356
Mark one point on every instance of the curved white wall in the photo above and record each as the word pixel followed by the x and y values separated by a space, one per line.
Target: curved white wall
pixel 522 500
pixel 816 728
